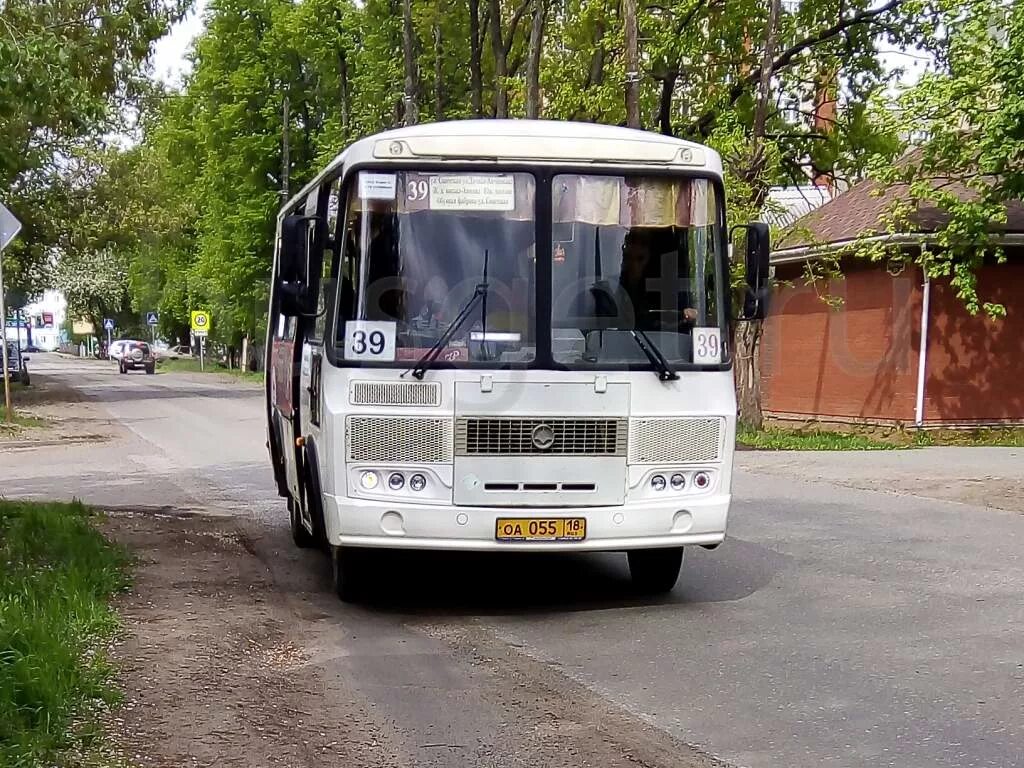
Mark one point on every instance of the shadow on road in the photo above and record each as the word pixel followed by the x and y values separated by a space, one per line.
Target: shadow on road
pixel 166 391
pixel 418 584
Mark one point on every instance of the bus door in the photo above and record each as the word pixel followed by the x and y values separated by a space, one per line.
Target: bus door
pixel 324 261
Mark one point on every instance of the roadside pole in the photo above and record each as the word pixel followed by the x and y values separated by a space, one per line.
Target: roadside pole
pixel 9 228
pixel 3 340
pixel 202 353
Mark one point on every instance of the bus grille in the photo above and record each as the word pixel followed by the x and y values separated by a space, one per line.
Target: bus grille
pixel 395 393
pixel 399 440
pixel 515 437
pixel 674 441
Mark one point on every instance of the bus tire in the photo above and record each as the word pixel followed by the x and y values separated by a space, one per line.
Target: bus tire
pixel 348 569
pixel 655 571
pixel 303 539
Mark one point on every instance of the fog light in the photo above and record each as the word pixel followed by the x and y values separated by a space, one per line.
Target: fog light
pixel 658 483
pixel 417 482
pixel 678 481
pixel 701 480
pixel 369 480
pixel 396 481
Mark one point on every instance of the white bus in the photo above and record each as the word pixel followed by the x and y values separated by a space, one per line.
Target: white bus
pixel 507 335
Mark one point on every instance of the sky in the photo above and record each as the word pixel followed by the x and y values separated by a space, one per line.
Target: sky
pixel 170 53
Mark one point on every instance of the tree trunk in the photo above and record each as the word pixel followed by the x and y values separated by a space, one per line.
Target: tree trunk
pixel 748 333
pixel 500 61
pixel 411 113
pixel 632 65
pixel 540 10
pixel 764 92
pixel 668 87
pixel 476 81
pixel 346 110
pixel 438 71
pixel 595 76
pixel 748 373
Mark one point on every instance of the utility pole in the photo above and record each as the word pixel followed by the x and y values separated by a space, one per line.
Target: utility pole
pixel 632 65
pixel 285 161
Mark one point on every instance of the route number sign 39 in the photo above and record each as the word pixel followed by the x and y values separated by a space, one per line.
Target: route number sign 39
pixel 370 340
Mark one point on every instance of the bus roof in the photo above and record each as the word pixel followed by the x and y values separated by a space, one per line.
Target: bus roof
pixel 543 142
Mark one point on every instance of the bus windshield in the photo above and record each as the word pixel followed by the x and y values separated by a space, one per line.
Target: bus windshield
pixel 633 254
pixel 417 247
pixel 631 257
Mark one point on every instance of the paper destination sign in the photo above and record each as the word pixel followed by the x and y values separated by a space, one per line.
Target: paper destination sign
pixel 472 193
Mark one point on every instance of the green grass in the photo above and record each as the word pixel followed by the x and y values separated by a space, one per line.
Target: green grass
pixel 19 423
pixel 191 365
pixel 879 439
pixel 57 574
pixel 774 439
pixel 1010 437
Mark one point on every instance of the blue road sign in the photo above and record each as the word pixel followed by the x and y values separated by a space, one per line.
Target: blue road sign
pixel 108 324
pixel 152 318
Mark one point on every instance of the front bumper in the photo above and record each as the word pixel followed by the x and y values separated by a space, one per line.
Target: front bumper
pixel 365 523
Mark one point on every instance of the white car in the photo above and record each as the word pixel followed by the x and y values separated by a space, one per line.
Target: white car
pixel 116 350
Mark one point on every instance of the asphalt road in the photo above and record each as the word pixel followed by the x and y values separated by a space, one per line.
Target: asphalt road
pixel 838 626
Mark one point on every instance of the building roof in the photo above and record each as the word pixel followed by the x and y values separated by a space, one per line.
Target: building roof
pixel 790 203
pixel 858 213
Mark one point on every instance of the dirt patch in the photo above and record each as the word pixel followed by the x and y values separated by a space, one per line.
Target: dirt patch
pixel 236 655
pixel 213 664
pixel 59 414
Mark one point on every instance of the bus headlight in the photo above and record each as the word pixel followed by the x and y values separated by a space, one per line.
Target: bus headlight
pixel 417 482
pixel 678 481
pixel 658 482
pixel 395 481
pixel 369 480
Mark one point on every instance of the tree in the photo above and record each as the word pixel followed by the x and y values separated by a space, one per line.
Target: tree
pixel 632 85
pixel 412 110
pixel 70 73
pixel 970 113
pixel 533 104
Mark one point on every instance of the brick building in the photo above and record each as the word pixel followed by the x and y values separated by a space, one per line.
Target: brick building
pixel 865 361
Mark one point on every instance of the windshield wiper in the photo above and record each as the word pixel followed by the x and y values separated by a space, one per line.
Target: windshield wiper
pixel 479 295
pixel 665 372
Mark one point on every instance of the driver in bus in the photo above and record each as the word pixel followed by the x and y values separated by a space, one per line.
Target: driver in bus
pixel 659 308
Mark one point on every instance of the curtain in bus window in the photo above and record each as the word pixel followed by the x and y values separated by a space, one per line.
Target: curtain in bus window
pixel 630 202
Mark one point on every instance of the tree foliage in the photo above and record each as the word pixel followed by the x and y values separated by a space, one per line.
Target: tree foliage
pixel 969 115
pixel 69 72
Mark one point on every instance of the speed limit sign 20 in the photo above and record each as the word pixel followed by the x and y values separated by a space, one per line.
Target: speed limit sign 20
pixel 200 323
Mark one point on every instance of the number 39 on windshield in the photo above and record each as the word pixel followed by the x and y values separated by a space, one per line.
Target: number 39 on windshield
pixel 370 340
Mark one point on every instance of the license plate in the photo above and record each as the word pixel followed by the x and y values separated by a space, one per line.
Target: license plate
pixel 541 529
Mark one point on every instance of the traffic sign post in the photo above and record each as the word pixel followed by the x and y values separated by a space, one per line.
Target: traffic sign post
pixel 108 326
pixel 9 228
pixel 200 329
pixel 152 320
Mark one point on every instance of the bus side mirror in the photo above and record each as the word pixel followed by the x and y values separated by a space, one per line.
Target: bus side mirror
pixel 756 286
pixel 293 269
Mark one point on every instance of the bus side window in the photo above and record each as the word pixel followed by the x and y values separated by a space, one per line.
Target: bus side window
pixel 330 262
pixel 348 242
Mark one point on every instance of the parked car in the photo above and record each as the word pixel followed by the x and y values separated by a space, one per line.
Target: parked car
pixel 136 355
pixel 116 349
pixel 17 368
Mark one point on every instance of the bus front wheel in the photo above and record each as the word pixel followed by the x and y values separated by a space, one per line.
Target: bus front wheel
pixel 655 571
pixel 349 571
pixel 302 537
